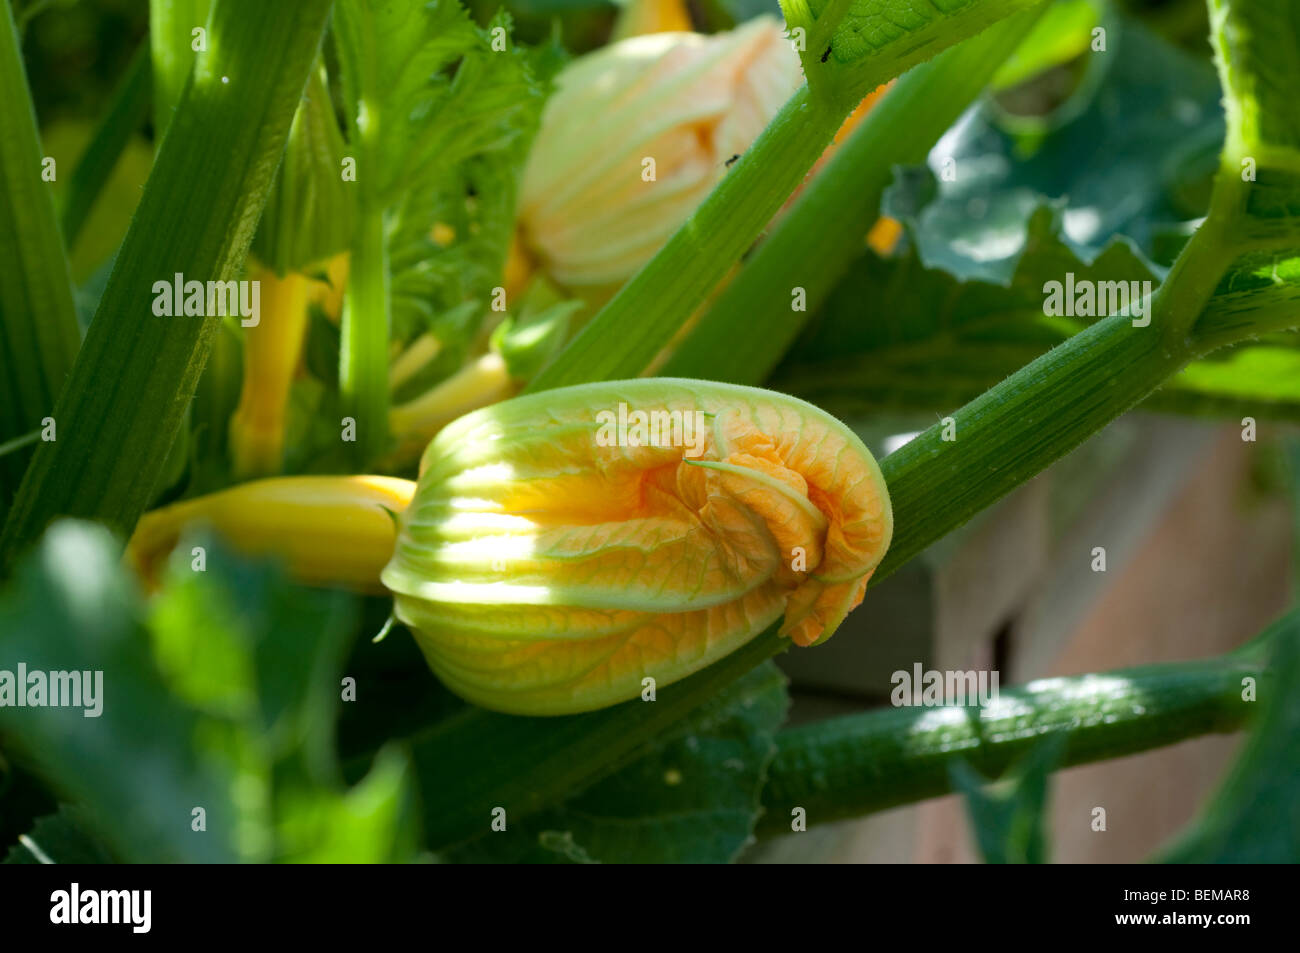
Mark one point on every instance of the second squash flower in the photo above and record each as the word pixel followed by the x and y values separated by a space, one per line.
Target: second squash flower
pixel 675 106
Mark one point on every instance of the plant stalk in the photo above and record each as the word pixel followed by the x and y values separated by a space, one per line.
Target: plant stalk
pixel 752 323
pixel 858 764
pixel 363 353
pixel 127 395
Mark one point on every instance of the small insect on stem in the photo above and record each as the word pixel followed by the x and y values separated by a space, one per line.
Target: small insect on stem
pixel 826 55
pixel 729 162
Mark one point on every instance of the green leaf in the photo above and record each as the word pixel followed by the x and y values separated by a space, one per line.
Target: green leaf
pixel 59 838
pixel 1149 128
pixel 391 54
pixel 691 797
pixel 120 412
pixel 1007 817
pixel 1255 816
pixel 870 41
pixel 933 341
pixel 38 323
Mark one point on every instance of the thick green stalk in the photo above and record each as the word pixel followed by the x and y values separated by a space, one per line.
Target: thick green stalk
pixel 126 113
pixel 857 764
pixel 171 40
pixel 38 324
pixel 1014 430
pixel 363 351
pixel 133 379
pixel 752 322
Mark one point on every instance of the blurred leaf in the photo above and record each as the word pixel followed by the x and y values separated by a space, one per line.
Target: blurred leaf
pixel 1135 161
pixel 222 695
pixel 529 343
pixel 738 11
pixel 373 822
pixel 139 767
pixel 1255 816
pixel 1008 816
pixel 692 797
pixel 59 838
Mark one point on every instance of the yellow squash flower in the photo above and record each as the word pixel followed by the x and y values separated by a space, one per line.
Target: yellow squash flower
pixel 564 546
pixel 588 212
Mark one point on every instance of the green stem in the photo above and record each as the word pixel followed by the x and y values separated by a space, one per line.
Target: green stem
pixel 1015 430
pixel 752 322
pixel 127 395
pixel 125 114
pixel 363 353
pixel 171 42
pixel 858 764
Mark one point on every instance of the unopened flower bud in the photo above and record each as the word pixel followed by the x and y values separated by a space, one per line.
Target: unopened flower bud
pixel 563 546
pixel 634 138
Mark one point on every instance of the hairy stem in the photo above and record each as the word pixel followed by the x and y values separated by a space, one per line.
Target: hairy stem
pixel 858 764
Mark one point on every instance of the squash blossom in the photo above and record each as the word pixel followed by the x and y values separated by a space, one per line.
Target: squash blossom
pixel 635 136
pixel 562 547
